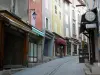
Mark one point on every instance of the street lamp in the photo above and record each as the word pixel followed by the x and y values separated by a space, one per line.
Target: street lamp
pixel 34 15
pixel 33 18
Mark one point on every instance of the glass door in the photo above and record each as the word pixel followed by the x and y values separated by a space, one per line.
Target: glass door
pixel 30 55
pixel 33 52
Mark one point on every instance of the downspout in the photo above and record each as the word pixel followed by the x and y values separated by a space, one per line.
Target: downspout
pixel 13 2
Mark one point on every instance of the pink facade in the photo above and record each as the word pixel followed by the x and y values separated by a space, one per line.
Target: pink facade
pixel 37 5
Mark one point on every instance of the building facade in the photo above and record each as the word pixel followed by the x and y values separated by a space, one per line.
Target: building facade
pixel 43 9
pixel 75 16
pixel 35 46
pixel 57 17
pixel 66 25
pixel 57 28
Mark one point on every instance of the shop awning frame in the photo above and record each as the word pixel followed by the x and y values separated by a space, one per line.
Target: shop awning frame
pixel 15 21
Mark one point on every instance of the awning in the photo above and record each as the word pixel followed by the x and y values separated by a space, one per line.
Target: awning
pixel 14 20
pixel 38 32
pixel 17 22
pixel 60 41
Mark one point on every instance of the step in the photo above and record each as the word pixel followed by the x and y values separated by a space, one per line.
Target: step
pixel 87 72
pixel 91 69
pixel 5 72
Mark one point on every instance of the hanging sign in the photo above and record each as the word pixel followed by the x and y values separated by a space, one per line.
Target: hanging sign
pixel 90 26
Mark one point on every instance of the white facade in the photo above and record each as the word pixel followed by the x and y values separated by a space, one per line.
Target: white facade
pixel 66 19
pixel 75 18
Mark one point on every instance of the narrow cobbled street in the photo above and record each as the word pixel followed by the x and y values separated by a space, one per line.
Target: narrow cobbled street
pixel 63 66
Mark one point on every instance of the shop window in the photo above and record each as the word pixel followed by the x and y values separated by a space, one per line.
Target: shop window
pixel 75 49
pixel 32 52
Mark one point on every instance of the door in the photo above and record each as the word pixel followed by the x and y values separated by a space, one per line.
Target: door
pixel 13 49
pixel 33 52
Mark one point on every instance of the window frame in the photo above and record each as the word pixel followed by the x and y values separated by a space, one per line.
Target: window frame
pixel 55 9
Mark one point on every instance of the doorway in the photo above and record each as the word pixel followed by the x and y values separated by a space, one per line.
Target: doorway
pixel 13 47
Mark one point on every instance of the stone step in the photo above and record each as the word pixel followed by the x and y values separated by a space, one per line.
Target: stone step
pixel 91 70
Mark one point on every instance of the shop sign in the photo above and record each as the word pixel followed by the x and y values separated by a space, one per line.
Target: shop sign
pixel 90 26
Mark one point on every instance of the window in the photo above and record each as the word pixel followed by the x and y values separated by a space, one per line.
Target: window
pixel 35 50
pixel 59 3
pixel 74 29
pixel 66 19
pixel 34 1
pixel 46 4
pixel 66 7
pixel 60 30
pixel 73 14
pixel 46 26
pixel 55 26
pixel 79 18
pixel 73 2
pixel 55 9
pixel 67 32
pixel 32 52
pixel 60 15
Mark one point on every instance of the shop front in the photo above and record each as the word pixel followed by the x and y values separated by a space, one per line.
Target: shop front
pixel 14 44
pixel 68 50
pixel 74 46
pixel 35 46
pixel 60 46
pixel 48 44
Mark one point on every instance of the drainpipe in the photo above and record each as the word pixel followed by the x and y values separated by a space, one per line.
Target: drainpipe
pixel 13 6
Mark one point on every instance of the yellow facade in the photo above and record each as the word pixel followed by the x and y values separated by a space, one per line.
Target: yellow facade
pixel 57 22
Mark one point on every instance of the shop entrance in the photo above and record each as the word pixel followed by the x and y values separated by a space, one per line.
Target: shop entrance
pixel 13 47
pixel 46 50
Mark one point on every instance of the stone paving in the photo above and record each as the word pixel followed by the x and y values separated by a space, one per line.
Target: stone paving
pixel 61 66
